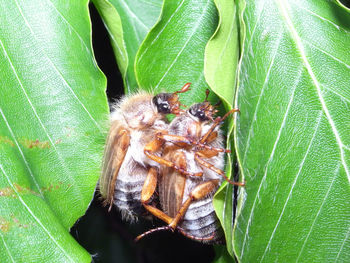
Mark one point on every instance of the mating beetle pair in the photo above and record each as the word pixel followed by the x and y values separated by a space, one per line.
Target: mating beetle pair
pixel 183 160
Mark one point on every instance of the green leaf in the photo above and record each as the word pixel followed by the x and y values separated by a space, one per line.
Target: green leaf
pixel 173 51
pixel 221 62
pixel 222 256
pixel 52 111
pixel 127 23
pixel 221 55
pixel 292 136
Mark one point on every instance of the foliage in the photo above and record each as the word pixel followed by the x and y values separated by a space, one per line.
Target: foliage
pixel 284 64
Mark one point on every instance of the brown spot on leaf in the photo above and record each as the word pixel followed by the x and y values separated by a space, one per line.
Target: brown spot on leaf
pixel 4 225
pixel 7 191
pixel 25 190
pixel 35 144
pixel 6 140
pixel 18 224
pixel 51 187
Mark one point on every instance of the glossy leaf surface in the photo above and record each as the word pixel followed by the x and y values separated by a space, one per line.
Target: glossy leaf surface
pixel 173 52
pixel 127 23
pixel 221 57
pixel 221 60
pixel 52 112
pixel 292 136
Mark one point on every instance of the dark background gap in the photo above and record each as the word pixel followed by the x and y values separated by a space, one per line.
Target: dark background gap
pixel 104 235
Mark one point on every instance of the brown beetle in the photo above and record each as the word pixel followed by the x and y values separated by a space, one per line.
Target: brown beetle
pixel 191 171
pixel 135 121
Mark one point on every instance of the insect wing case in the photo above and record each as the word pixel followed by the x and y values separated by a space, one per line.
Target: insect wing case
pixel 125 168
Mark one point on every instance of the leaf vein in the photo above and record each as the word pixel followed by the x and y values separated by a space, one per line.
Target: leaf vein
pixel 132 14
pixel 342 245
pixel 161 31
pixel 33 215
pixel 260 96
pixel 255 26
pixel 70 26
pixel 6 247
pixel 283 5
pixel 322 18
pixel 294 183
pixel 270 159
pixel 21 152
pixel 336 93
pixel 318 213
pixel 39 119
pixel 327 54
pixel 58 71
pixel 185 44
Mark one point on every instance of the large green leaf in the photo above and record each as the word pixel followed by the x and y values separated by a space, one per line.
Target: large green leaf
pixel 221 56
pixel 127 23
pixel 221 60
pixel 292 136
pixel 52 107
pixel 173 51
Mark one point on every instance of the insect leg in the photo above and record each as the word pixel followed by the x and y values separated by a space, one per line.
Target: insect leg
pixel 180 229
pixel 199 192
pixel 216 122
pixel 155 145
pixel 148 190
pixel 204 163
pixel 178 139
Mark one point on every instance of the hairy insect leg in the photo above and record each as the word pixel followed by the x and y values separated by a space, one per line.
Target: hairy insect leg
pixel 198 193
pixel 155 145
pixel 216 122
pixel 175 99
pixel 204 163
pixel 178 139
pixel 147 192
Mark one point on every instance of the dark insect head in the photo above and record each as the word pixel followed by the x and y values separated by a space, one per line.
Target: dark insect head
pixel 169 102
pixel 203 111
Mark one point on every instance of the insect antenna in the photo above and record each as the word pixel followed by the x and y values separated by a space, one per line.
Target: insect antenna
pixel 185 88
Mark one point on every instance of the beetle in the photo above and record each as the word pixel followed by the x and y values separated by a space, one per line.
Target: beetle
pixel 135 121
pixel 191 171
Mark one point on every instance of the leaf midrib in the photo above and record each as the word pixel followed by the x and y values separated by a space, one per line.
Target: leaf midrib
pixel 306 63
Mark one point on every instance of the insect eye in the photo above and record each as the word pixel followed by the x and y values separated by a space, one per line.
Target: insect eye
pixel 201 115
pixel 163 108
pixel 162 104
pixel 198 112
